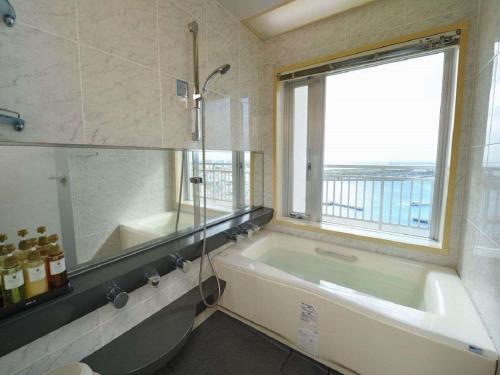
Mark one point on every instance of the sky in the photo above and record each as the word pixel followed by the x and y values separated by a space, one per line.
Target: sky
pixel 384 114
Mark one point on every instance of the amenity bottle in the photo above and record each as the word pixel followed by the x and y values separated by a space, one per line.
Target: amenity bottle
pixel 13 289
pixel 57 264
pixel 35 274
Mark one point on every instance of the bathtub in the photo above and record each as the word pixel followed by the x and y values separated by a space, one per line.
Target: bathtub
pixel 355 311
pixel 136 232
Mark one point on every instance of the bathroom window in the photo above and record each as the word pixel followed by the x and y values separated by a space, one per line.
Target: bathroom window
pixel 367 139
pixel 227 179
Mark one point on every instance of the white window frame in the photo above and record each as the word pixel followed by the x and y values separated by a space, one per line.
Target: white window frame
pixel 315 120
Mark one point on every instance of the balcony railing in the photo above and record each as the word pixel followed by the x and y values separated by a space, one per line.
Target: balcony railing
pixel 219 180
pixel 381 195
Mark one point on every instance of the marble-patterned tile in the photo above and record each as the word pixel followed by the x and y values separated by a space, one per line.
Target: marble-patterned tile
pixel 126 28
pixel 181 283
pixel 378 15
pixel 479 269
pixel 494 103
pixel 54 16
pixel 480 120
pixel 422 10
pixel 222 21
pixel 74 351
pixel 221 52
pixel 40 79
pixel 121 101
pixel 251 46
pixel 474 191
pixel 489 36
pixel 178 116
pixel 376 36
pixel 176 42
pixel 196 8
pixel 137 297
pixel 46 345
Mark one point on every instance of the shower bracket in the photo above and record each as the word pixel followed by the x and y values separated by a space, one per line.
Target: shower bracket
pixel 16 121
pixel 8 13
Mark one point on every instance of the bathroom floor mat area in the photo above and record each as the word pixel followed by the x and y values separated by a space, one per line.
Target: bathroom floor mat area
pixel 223 345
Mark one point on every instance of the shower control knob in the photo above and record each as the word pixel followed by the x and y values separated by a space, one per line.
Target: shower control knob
pixel 180 262
pixel 9 20
pixel 186 266
pixel 117 297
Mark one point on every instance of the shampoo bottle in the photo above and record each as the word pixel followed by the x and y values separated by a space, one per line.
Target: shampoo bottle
pixel 13 289
pixel 35 275
pixel 57 264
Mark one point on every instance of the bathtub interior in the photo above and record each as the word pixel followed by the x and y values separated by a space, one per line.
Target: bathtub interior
pixel 398 282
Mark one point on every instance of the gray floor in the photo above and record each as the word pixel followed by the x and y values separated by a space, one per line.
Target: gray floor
pixel 225 346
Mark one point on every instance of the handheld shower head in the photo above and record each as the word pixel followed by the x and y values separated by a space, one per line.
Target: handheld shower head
pixel 223 69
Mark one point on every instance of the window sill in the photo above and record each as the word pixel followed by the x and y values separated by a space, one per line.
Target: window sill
pixel 380 238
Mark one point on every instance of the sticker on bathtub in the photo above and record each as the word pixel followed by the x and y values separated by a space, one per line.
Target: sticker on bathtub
pixel 308 341
pixel 308 315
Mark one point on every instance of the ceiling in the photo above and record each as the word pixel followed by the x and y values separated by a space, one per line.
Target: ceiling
pixel 268 18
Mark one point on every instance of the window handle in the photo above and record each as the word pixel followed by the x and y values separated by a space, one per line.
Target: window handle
pixel 309 168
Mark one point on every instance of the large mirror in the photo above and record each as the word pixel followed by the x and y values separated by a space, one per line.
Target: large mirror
pixel 105 202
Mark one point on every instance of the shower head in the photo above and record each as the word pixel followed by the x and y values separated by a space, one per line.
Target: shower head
pixel 223 69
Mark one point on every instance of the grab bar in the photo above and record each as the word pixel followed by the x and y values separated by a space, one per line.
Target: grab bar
pixel 333 254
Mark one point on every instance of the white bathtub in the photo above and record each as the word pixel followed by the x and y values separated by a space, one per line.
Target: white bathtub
pixel 355 311
pixel 139 231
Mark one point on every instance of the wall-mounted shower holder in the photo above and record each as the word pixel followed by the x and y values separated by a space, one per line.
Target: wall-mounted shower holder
pixel 8 13
pixel 16 121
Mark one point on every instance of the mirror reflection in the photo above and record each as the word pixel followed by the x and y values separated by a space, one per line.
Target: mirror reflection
pixel 103 202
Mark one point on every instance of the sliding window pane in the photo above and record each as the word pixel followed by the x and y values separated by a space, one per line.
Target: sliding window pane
pixel 299 157
pixel 380 148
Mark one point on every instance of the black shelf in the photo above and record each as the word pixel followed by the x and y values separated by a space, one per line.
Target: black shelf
pixel 150 345
pixel 90 288
pixel 32 302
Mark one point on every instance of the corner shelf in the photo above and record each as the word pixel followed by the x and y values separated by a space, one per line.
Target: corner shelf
pixel 150 345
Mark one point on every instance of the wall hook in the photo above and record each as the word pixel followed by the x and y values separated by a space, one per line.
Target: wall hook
pixel 16 121
pixel 8 13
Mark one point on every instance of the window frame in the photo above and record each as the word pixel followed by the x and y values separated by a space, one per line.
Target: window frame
pixel 448 139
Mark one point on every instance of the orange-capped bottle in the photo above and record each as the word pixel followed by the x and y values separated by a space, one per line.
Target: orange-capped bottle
pixel 57 264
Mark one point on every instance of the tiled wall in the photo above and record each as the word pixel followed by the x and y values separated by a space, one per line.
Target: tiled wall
pixel 104 73
pixel 111 187
pixel 479 263
pixel 82 337
pixel 374 22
